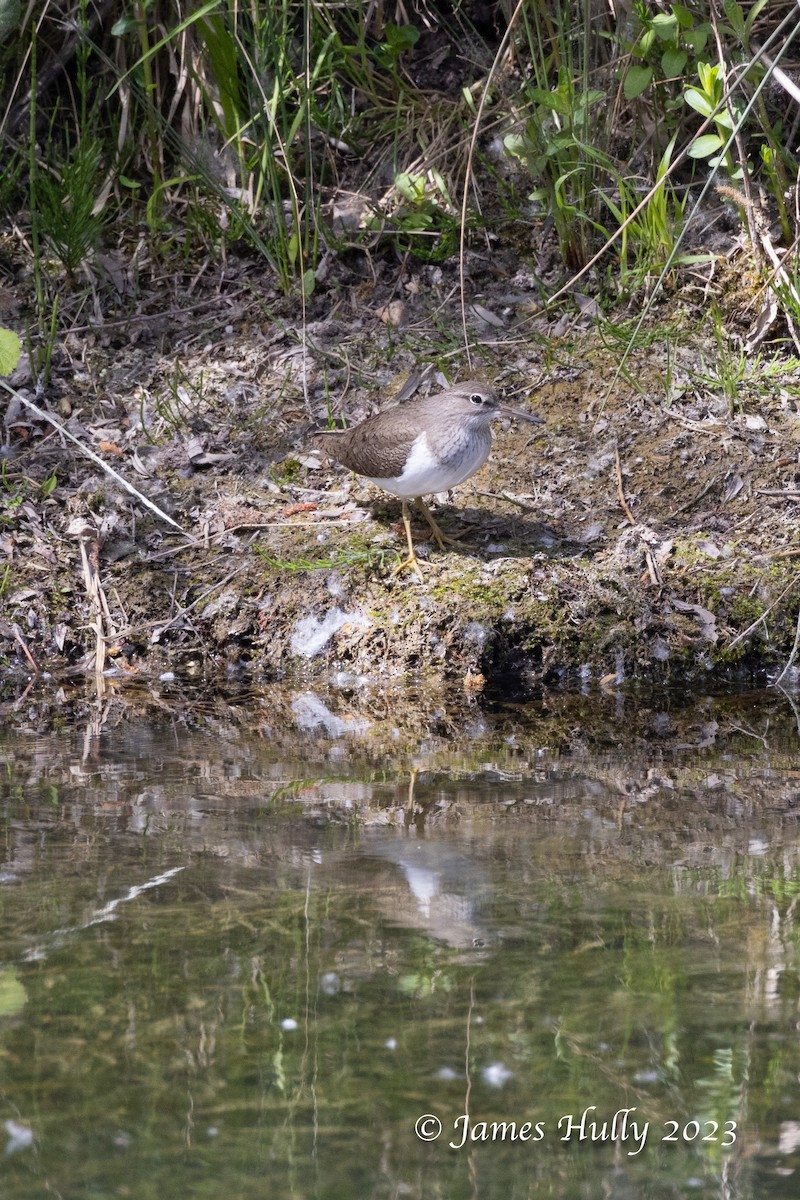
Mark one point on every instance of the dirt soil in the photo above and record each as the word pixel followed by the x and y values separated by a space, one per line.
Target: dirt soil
pixel 646 532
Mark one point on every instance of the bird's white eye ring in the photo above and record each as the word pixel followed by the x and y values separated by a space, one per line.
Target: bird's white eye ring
pixel 476 398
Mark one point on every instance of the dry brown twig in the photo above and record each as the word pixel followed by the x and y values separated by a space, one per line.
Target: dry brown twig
pixel 42 415
pixel 87 536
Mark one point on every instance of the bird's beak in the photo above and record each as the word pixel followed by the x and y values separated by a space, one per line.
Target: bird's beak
pixel 533 418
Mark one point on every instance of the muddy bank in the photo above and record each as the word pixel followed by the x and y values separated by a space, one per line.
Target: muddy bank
pixel 637 535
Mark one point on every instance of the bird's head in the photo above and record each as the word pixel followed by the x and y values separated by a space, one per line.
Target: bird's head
pixel 476 399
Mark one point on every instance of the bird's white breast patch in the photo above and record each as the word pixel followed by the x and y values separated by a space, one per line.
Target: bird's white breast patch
pixel 424 474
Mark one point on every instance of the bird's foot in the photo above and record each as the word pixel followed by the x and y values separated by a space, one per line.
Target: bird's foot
pixel 413 562
pixel 457 541
pixel 436 534
pixel 443 540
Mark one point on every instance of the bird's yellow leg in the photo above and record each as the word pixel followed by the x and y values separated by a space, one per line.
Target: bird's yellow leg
pixel 412 560
pixel 441 538
pixel 435 530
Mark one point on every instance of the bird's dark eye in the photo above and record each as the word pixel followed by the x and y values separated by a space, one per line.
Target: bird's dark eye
pixel 476 398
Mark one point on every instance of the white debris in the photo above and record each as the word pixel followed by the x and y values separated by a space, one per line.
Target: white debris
pixel 311 635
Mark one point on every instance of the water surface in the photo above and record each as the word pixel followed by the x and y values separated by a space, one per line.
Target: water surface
pixel 244 951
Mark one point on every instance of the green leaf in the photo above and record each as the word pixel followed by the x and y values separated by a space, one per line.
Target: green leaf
pixel 720 161
pixel 696 38
pixel 552 101
pixel 698 101
pixel 733 12
pixel 665 26
pixel 309 283
pixel 559 142
pixel 751 17
pixel 401 37
pixel 438 180
pixel 708 77
pixel 10 350
pixel 673 62
pixel 221 49
pixel 515 144
pixel 709 143
pixel 636 80
pixel 410 187
pixel 683 16
pixel 666 158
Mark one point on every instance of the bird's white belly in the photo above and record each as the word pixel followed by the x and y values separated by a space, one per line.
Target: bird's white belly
pixel 424 473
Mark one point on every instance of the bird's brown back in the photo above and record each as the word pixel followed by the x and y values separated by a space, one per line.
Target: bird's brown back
pixel 379 446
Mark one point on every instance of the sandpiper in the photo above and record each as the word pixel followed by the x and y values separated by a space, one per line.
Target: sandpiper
pixel 423 446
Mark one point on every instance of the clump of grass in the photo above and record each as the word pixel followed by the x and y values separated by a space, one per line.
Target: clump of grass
pixel 64 203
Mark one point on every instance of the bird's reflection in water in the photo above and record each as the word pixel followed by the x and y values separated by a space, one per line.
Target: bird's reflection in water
pixel 428 884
